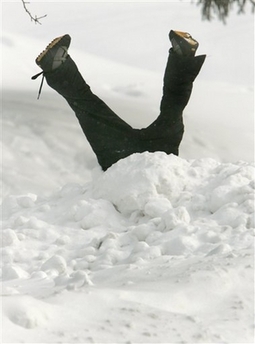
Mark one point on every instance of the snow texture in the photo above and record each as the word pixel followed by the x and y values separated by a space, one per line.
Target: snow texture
pixel 154 245
pixel 157 249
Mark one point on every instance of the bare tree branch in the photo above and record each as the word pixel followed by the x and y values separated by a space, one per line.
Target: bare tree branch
pixel 35 19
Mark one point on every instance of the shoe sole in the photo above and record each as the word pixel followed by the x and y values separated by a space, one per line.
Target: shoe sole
pixel 46 50
pixel 188 39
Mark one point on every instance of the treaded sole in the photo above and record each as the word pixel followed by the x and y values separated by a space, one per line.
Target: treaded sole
pixel 49 46
pixel 187 37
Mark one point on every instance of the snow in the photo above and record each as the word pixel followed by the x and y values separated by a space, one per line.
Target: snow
pixel 157 249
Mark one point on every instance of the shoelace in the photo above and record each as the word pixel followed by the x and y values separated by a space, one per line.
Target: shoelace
pixel 41 85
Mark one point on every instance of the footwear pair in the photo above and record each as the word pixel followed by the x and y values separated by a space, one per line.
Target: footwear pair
pixel 57 51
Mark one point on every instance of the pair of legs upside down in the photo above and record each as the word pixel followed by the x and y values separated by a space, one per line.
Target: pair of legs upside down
pixel 110 137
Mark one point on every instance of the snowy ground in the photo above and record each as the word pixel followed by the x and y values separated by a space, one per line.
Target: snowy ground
pixel 158 249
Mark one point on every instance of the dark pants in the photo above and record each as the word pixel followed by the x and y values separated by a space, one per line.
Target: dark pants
pixel 110 137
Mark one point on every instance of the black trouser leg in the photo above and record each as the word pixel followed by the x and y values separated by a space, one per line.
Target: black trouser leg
pixel 165 133
pixel 110 137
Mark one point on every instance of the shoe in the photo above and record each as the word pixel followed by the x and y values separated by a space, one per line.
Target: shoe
pixel 55 54
pixel 183 44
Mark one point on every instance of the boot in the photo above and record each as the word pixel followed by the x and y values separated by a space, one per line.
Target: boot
pixel 55 54
pixel 183 44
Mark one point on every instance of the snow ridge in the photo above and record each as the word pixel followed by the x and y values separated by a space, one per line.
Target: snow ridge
pixel 149 218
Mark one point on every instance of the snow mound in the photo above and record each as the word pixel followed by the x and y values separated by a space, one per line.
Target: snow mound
pixel 150 217
pixel 145 206
pixel 145 181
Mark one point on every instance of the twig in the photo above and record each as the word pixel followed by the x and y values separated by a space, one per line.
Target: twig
pixel 35 19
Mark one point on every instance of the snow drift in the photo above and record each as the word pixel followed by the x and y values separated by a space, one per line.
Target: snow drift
pixel 186 225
